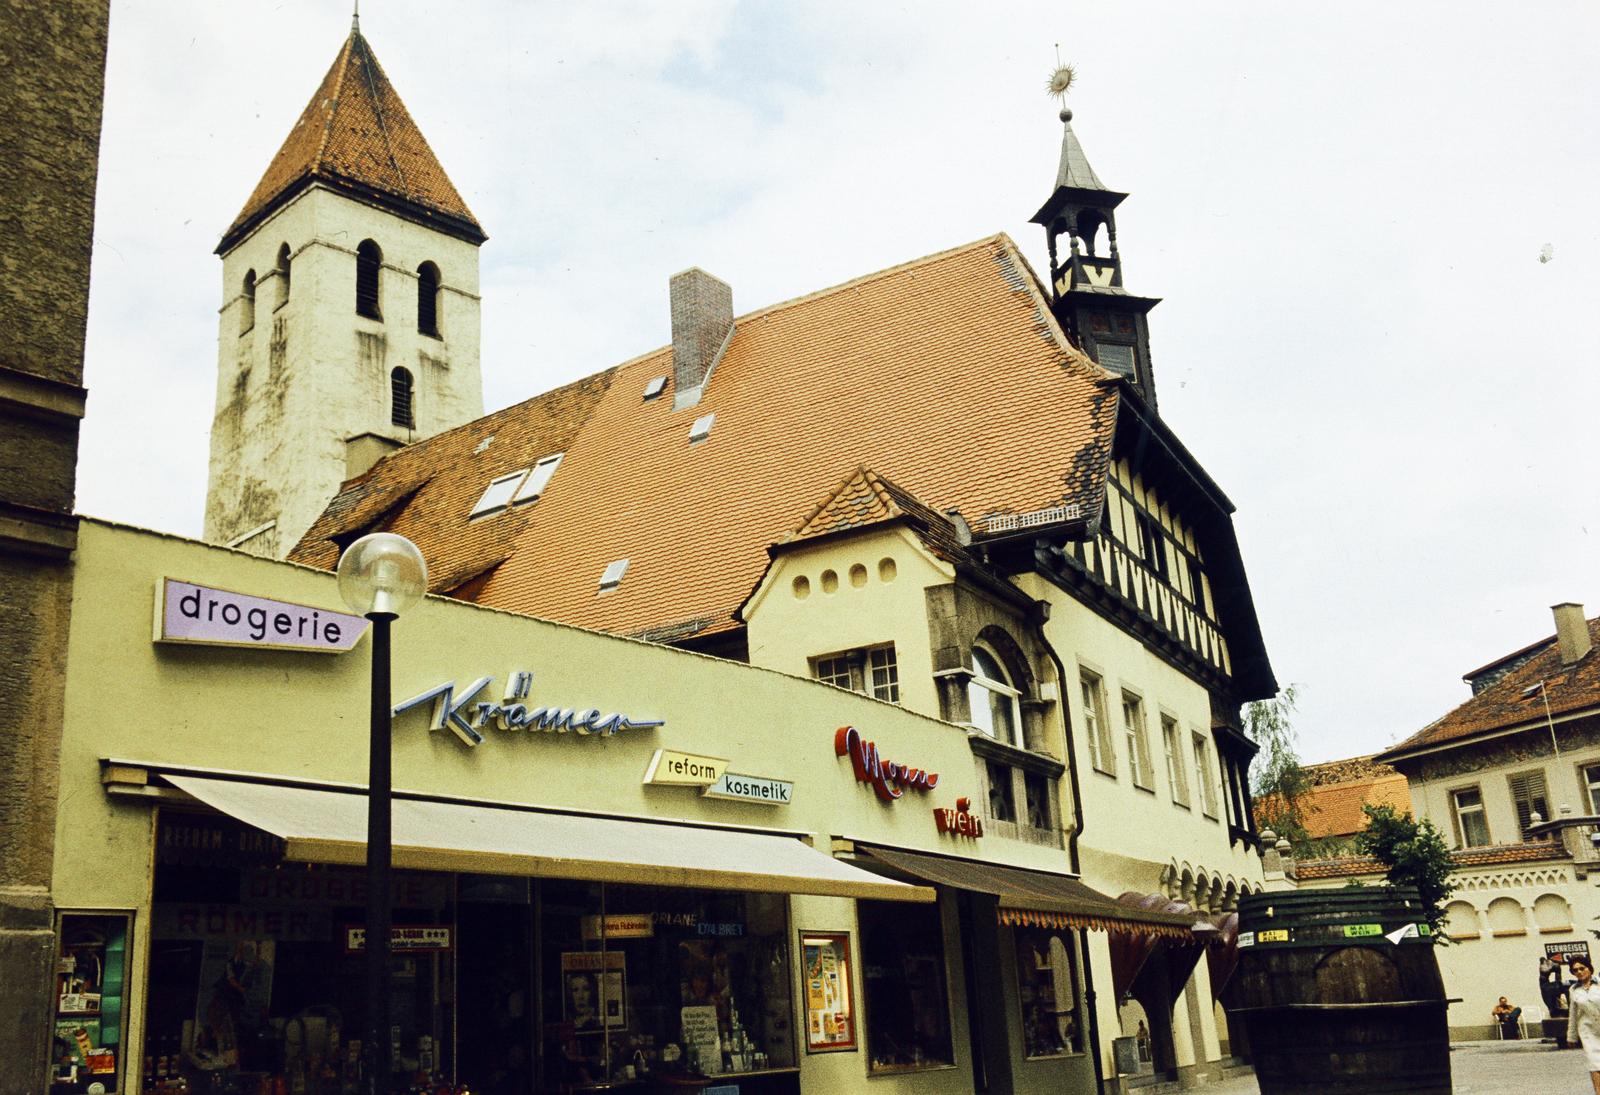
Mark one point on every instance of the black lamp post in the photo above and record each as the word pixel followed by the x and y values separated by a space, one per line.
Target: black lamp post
pixel 380 576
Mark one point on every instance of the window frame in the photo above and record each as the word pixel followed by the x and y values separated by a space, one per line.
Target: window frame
pixel 247 298
pixel 1200 746
pixel 1512 779
pixel 1138 740
pixel 284 269
pixel 483 507
pixel 1000 776
pixel 993 687
pixel 369 301
pixel 526 490
pixel 889 689
pixel 1481 808
pixel 401 377
pixel 1171 747
pixel 1589 786
pixel 1102 750
pixel 432 328
pixel 858 662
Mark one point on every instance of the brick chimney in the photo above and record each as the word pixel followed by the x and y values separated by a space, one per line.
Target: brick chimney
pixel 1572 632
pixel 702 325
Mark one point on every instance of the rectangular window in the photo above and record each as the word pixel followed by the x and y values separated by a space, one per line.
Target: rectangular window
pixel 1037 789
pixel 834 671
pixel 1094 722
pixel 1002 793
pixel 906 1003
pixel 1202 775
pixel 884 673
pixel 1115 357
pixel 1154 545
pixel 1047 985
pixel 1138 745
pixel 91 966
pixel 1591 781
pixel 1529 798
pixel 1177 780
pixel 1472 824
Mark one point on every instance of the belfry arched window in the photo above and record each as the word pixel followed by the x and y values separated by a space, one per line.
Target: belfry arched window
pixel 247 302
pixel 369 263
pixel 428 299
pixel 402 409
pixel 283 275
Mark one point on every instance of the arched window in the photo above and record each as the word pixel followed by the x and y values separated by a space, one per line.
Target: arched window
pixel 247 302
pixel 369 261
pixel 401 412
pixel 428 299
pixel 992 698
pixel 283 275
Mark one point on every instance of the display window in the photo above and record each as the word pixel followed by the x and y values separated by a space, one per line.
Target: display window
pixel 1047 988
pixel 88 1032
pixel 828 987
pixel 906 999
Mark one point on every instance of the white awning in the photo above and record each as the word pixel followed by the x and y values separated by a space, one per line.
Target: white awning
pixel 326 826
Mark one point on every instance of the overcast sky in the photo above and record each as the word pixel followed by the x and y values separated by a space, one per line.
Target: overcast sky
pixel 1343 207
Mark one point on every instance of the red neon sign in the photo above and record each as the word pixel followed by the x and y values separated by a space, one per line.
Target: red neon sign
pixel 958 822
pixel 888 779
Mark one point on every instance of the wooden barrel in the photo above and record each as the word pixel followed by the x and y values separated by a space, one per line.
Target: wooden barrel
pixel 1333 1006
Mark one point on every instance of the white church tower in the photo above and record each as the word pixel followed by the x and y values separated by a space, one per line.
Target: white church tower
pixel 349 320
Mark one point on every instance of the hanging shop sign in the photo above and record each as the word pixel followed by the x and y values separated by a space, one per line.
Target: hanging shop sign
pixel 406 937
pixel 466 716
pixel 1566 952
pixel 959 822
pixel 684 769
pixel 200 615
pixel 888 779
pixel 768 792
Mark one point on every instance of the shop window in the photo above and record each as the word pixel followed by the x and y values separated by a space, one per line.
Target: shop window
pixel 906 1004
pixel 828 988
pixel 1528 796
pixel 1098 730
pixel 872 671
pixel 87 1039
pixel 1133 729
pixel 1471 822
pixel 1202 774
pixel 992 698
pixel 1176 778
pixel 1002 791
pixel 1047 984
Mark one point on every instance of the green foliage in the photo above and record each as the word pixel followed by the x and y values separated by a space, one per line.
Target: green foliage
pixel 1278 782
pixel 1416 854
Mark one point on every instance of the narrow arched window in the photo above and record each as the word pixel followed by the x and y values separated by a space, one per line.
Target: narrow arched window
pixel 401 409
pixel 992 698
pixel 247 302
pixel 283 275
pixel 428 299
pixel 369 261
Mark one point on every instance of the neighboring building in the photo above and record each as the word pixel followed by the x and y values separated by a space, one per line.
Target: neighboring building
pixel 1512 778
pixel 1336 795
pixel 945 485
pixel 349 319
pixel 52 84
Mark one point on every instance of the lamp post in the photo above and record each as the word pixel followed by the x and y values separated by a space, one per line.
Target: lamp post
pixel 380 576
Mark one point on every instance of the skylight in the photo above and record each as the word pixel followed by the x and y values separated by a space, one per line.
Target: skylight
pixel 612 578
pixel 655 387
pixel 701 428
pixel 538 479
pixel 499 493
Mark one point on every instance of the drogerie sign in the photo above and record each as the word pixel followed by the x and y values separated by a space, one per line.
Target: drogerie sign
pixel 191 613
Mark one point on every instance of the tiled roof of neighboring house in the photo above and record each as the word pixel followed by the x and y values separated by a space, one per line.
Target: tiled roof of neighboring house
pixel 1341 866
pixel 356 133
pixel 1516 699
pixel 865 499
pixel 1335 809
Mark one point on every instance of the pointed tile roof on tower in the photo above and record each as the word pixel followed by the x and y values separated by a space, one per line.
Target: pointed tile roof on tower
pixel 1075 170
pixel 355 134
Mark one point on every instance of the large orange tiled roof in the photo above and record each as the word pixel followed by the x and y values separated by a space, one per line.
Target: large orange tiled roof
pixel 1516 700
pixel 1528 852
pixel 1335 809
pixel 355 132
pixel 946 376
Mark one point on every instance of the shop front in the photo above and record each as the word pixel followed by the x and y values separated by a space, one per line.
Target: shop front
pixel 616 866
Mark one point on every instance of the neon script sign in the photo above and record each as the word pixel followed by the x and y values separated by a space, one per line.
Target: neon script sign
pixel 465 715
pixel 958 822
pixel 888 779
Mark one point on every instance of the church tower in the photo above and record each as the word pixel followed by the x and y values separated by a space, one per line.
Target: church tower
pixel 349 323
pixel 1107 322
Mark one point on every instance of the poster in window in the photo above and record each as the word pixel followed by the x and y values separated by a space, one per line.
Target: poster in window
pixel 234 998
pixel 827 986
pixel 593 990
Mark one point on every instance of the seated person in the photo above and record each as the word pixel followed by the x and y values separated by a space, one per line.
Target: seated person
pixel 1507 1017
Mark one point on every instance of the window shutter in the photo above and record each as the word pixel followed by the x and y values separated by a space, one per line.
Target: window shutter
pixel 1528 794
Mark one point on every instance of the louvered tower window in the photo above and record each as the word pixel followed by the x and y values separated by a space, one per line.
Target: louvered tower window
pixel 283 275
pixel 428 299
pixel 369 262
pixel 401 411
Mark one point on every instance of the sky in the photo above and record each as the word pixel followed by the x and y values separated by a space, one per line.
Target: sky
pixel 1344 208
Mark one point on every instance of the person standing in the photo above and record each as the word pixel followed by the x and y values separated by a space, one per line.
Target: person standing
pixel 1583 1015
pixel 1550 985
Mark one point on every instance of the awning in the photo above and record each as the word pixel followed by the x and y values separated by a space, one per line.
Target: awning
pixel 328 826
pixel 1034 898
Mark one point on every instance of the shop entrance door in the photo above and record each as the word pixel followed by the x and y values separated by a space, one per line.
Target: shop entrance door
pixel 495 1024
pixel 978 930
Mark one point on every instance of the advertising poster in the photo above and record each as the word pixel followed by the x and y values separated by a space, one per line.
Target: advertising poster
pixel 594 990
pixel 825 965
pixel 234 999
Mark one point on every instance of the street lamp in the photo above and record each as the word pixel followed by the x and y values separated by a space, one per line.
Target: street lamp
pixel 380 576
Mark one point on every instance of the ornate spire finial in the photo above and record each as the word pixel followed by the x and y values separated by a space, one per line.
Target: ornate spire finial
pixel 355 18
pixel 1060 83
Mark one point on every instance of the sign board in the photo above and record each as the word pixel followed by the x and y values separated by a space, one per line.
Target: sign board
pixel 619 926
pixel 671 767
pixel 888 779
pixel 1566 952
pixel 402 938
pixel 769 792
pixel 960 821
pixel 466 716
pixel 199 615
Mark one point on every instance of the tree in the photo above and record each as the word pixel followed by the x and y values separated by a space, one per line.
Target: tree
pixel 1279 782
pixel 1416 854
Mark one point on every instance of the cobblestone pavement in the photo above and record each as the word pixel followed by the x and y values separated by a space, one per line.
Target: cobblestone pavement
pixel 1489 1068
